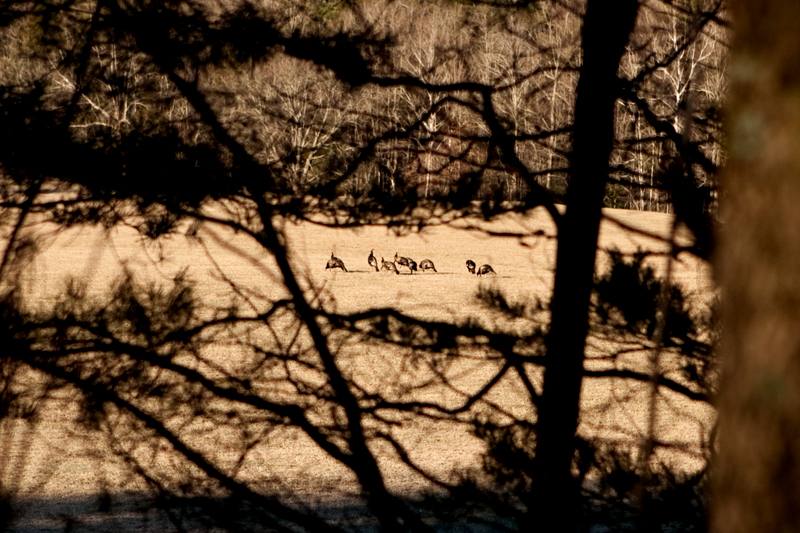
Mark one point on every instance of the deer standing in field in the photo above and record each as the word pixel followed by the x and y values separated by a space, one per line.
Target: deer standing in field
pixel 471 266
pixel 372 261
pixel 426 265
pixel 389 266
pixel 486 269
pixel 335 262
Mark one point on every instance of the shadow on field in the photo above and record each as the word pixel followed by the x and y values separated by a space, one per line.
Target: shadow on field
pixel 418 274
pixel 138 512
pixel 674 505
pixel 425 275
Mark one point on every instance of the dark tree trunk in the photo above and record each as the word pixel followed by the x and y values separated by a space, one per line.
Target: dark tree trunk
pixel 605 34
pixel 757 472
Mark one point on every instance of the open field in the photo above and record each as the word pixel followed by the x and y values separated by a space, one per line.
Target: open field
pixel 58 458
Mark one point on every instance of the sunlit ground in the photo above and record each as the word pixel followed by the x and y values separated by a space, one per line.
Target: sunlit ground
pixel 66 464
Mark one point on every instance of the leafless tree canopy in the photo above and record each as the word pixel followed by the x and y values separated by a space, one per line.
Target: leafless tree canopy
pixel 180 118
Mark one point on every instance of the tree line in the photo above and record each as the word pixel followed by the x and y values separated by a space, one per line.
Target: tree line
pixel 453 75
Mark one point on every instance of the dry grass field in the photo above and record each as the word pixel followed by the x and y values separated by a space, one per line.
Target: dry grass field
pixel 56 457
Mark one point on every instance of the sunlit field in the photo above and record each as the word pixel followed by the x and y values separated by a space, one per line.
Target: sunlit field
pixel 58 457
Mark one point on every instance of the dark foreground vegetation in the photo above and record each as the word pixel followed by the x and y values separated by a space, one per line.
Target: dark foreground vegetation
pixel 169 118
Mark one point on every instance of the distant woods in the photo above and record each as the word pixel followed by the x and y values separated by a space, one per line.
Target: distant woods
pixel 369 103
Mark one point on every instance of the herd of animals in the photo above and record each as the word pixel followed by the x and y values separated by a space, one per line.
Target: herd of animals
pixel 405 262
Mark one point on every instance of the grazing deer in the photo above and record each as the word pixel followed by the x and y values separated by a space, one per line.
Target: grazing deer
pixel 335 262
pixel 388 266
pixel 471 266
pixel 372 261
pixel 486 269
pixel 426 265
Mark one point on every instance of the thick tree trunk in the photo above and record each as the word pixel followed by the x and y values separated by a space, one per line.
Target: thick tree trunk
pixel 757 472
pixel 605 35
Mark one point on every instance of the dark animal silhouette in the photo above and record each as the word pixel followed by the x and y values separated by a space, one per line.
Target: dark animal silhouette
pixel 486 269
pixel 403 261
pixel 426 265
pixel 335 262
pixel 471 266
pixel 412 265
pixel 372 261
pixel 389 266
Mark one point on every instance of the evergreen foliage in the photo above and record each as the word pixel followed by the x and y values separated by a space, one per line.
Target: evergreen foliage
pixel 165 118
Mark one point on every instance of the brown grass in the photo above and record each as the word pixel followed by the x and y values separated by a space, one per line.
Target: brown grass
pixel 613 408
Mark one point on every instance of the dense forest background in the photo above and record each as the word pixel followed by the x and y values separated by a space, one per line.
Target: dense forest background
pixel 180 120
pixel 446 79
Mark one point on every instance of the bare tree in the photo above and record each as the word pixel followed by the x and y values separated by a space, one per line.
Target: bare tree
pixel 287 111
